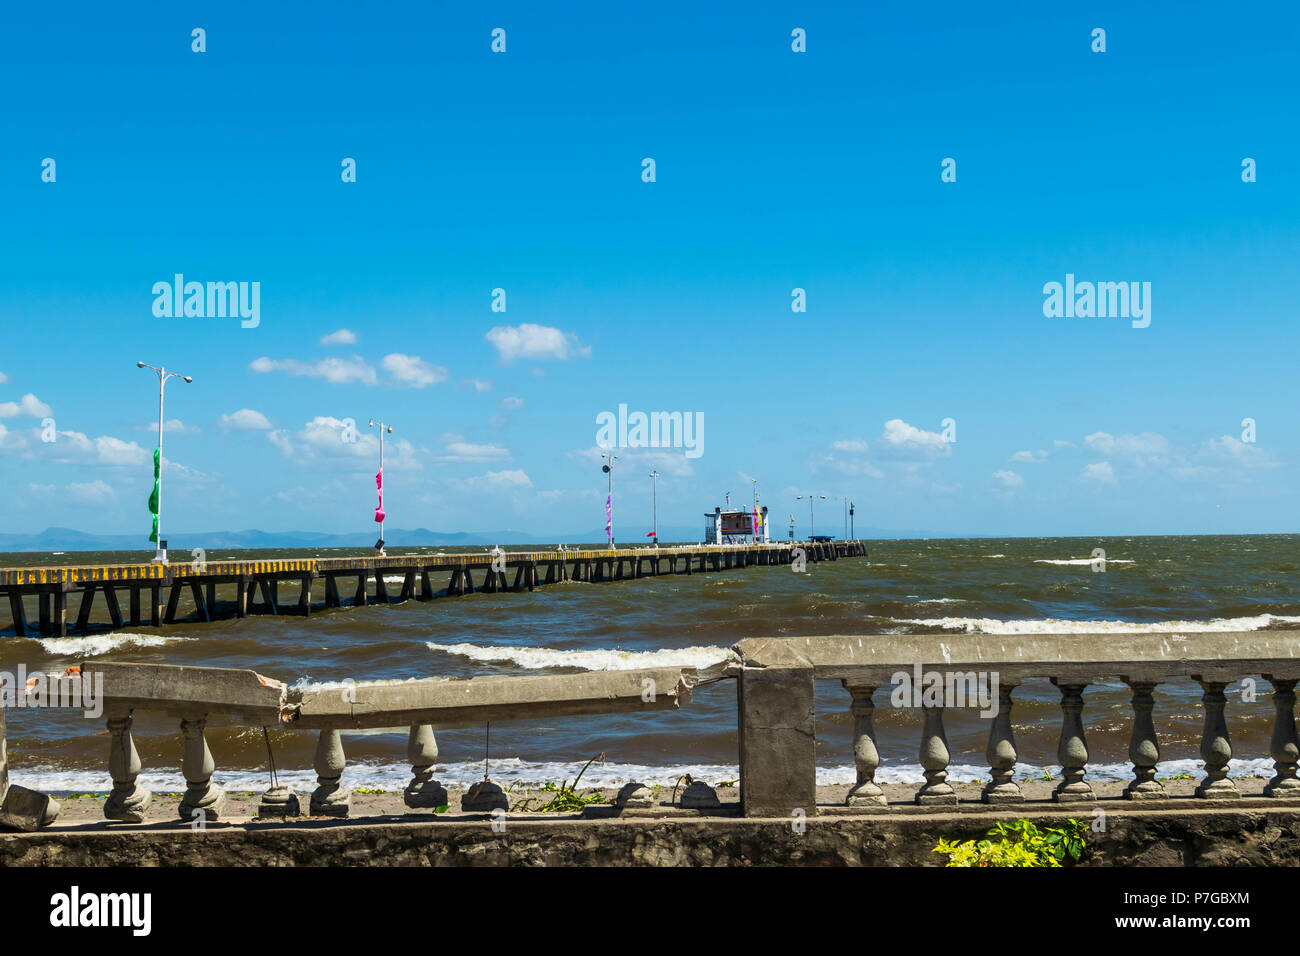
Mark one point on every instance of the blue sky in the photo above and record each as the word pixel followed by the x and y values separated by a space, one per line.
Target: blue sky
pixel 774 170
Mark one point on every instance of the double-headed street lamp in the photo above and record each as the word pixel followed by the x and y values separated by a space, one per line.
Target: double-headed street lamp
pixel 654 492
pixel 608 468
pixel 812 518
pixel 155 500
pixel 379 485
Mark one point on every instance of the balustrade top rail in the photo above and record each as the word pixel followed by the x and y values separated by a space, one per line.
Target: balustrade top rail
pixel 1087 657
pixel 16 577
pixel 250 698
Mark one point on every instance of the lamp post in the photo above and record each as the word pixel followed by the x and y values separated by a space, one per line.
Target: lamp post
pixel 851 537
pixel 654 493
pixel 160 549
pixel 754 482
pixel 608 468
pixel 812 517
pixel 379 485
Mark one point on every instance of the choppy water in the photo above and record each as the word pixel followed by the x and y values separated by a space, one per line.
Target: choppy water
pixel 1008 586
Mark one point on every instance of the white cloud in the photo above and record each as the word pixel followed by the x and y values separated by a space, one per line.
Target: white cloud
pixel 3 378
pixel 513 478
pixel 855 445
pixel 1144 445
pixel 669 461
pixel 172 425
pixel 11 441
pixel 335 370
pixel 1062 443
pixel 325 438
pixel 479 384
pixel 1029 456
pixel 411 371
pixel 1100 472
pixel 30 406
pixel 904 437
pixel 459 450
pixel 1009 479
pixel 244 420
pixel 40 489
pixel 530 341
pixel 91 492
pixel 77 448
pixel 341 337
pixel 510 403
pixel 1235 451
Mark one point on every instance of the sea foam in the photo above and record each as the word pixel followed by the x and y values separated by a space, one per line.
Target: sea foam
pixel 596 659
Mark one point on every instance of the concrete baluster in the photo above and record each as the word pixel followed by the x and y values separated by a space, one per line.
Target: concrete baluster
pixel 330 798
pixel 423 791
pixel 202 796
pixel 934 761
pixel 1216 749
pixel 1001 753
pixel 1143 748
pixel 128 800
pixel 866 792
pixel 1285 745
pixel 1072 750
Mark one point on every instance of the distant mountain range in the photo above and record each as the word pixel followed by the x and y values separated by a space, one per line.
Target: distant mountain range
pixel 69 539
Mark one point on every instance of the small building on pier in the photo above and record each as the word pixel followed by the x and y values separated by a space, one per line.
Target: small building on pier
pixel 735 526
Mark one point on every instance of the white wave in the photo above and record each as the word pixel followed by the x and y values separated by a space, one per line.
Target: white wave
pixel 1082 561
pixel 600 659
pixel 103 643
pixel 995 555
pixel 512 771
pixel 985 625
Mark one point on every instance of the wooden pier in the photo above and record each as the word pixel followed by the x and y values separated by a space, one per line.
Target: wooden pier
pixel 255 585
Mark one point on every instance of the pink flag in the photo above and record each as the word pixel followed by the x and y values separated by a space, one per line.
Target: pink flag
pixel 755 521
pixel 379 484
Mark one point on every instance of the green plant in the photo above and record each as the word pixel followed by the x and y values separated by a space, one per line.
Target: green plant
pixel 1021 843
pixel 566 799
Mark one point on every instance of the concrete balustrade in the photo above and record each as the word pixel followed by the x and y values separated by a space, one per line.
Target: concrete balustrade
pixel 775 697
pixel 194 694
pixel 776 710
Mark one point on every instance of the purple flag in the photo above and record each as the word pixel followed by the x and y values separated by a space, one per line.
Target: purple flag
pixel 609 514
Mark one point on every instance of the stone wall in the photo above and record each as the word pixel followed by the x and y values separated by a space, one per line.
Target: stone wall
pixel 1200 837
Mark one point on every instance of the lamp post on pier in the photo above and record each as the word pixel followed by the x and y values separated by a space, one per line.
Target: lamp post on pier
pixel 379 486
pixel 812 517
pixel 608 468
pixel 160 545
pixel 654 497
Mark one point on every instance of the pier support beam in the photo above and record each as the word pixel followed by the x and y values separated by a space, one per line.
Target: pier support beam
pixel 19 613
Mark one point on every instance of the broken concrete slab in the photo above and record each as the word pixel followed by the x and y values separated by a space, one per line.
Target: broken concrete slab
pixel 458 703
pixel 184 691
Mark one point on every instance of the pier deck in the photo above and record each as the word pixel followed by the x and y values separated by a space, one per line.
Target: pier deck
pixel 154 591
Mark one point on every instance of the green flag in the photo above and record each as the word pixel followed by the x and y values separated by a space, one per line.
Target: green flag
pixel 153 498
